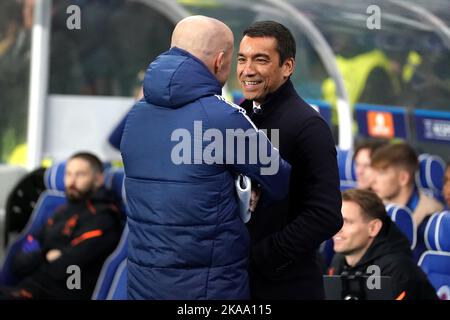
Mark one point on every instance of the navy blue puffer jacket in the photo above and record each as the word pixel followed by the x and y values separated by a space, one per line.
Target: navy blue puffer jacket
pixel 186 238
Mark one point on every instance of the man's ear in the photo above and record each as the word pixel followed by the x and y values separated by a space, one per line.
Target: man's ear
pixel 374 227
pixel 99 180
pixel 404 177
pixel 218 62
pixel 288 67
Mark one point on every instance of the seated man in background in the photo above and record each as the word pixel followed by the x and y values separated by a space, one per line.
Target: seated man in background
pixel 370 238
pixel 362 158
pixel 82 233
pixel 395 168
pixel 446 189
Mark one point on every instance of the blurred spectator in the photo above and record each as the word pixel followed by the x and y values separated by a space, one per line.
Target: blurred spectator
pixel 81 61
pixel 82 233
pixel 446 189
pixel 117 38
pixel 431 76
pixel 146 35
pixel 362 158
pixel 367 74
pixel 369 238
pixel 403 61
pixel 395 167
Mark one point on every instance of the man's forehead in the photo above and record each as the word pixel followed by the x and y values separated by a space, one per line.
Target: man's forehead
pixel 352 209
pixel 77 164
pixel 363 152
pixel 257 45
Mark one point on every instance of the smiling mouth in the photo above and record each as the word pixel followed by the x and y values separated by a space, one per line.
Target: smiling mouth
pixel 251 83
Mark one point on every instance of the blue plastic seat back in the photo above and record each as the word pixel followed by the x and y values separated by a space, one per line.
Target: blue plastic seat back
pixel 436 261
pixel 119 286
pixel 110 268
pixel 436 265
pixel 437 232
pixel 46 206
pixel 346 164
pixel 114 181
pixel 402 217
pixel 431 175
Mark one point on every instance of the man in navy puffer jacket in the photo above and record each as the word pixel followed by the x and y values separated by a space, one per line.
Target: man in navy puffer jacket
pixel 182 146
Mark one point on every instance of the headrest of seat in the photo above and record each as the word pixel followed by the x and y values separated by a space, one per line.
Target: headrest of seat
pixel 114 178
pixel 395 211
pixel 345 164
pixel 431 172
pixel 437 232
pixel 54 176
pixel 402 217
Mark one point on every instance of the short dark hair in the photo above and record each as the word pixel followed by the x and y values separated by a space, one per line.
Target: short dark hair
pixel 399 154
pixel 285 40
pixel 92 159
pixel 370 144
pixel 371 205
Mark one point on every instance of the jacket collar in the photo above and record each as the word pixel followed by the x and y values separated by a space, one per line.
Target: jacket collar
pixel 272 102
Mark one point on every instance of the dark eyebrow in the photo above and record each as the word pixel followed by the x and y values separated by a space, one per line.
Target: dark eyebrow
pixel 258 55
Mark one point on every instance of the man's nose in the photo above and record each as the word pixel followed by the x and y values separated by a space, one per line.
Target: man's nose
pixel 70 182
pixel 248 69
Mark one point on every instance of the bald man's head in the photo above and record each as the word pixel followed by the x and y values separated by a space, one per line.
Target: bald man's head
pixel 208 39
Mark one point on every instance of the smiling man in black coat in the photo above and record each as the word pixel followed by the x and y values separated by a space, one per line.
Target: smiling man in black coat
pixel 286 236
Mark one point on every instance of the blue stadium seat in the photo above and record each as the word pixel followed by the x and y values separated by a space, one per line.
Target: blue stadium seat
pixel 437 232
pixel 54 176
pixel 48 201
pixel 347 184
pixel 346 169
pixel 119 286
pixel 436 261
pixel 431 175
pixel 402 217
pixel 111 268
pixel 114 178
pixel 346 165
